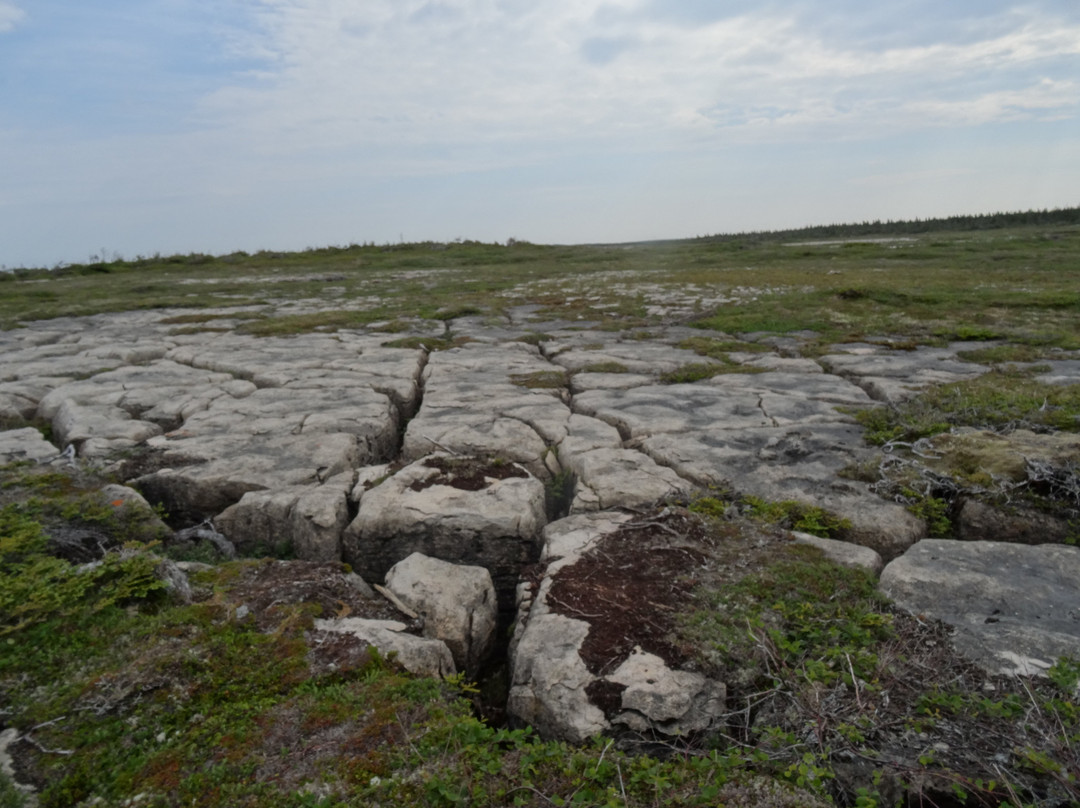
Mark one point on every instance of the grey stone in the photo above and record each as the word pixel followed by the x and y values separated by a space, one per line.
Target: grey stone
pixel 472 406
pixel 638 357
pixel 621 478
pixel 844 553
pixel 308 519
pixel 496 527
pixel 1014 606
pixel 419 655
pixel 549 679
pixel 793 464
pixel 457 603
pixel 981 521
pixel 671 701
pixel 109 425
pixel 893 376
pixel 25 444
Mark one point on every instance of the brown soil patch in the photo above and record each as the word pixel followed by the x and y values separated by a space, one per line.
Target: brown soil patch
pixel 631 588
pixel 467 473
pixel 271 589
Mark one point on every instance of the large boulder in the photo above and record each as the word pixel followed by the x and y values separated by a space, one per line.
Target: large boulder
pixel 457 603
pixel 1014 606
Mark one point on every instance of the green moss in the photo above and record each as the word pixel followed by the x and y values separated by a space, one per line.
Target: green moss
pixel 605 367
pixel 1005 397
pixel 816 615
pixel 540 380
pixel 1000 354
pixel 428 343
pixel 285 325
pixel 798 516
pixel 690 373
pixel 720 348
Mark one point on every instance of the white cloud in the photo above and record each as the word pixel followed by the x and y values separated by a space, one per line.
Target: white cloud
pixel 397 72
pixel 10 15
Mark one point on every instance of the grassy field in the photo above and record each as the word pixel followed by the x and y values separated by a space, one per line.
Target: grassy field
pixel 1020 283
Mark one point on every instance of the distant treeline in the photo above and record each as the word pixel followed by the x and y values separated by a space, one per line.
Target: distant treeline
pixel 985 221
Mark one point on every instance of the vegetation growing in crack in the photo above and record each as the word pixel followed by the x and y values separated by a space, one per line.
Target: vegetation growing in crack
pixel 1005 398
pixel 540 380
pixel 787 514
pixel 987 440
pixel 605 367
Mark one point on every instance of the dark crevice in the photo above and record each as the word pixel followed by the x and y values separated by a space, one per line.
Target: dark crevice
pixel 405 417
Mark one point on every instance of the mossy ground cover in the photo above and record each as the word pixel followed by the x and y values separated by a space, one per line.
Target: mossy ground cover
pixel 1018 284
pixel 118 690
pixel 940 448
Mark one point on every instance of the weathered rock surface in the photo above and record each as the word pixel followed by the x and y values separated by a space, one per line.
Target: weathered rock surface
pixel 454 509
pixel 477 402
pixel 894 375
pixel 279 441
pixel 308 520
pixel 555 690
pixel 844 553
pixel 981 521
pixel 670 701
pixel 1014 606
pixel 774 435
pixel 419 655
pixel 457 603
pixel 25 444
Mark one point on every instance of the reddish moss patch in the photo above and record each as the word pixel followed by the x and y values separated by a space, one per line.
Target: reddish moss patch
pixel 606 695
pixel 467 473
pixel 272 591
pixel 631 587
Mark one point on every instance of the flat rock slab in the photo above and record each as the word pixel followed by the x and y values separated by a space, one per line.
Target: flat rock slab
pixel 25 444
pixel 478 400
pixel 774 435
pixel 644 358
pixel 729 401
pixel 1014 607
pixel 892 375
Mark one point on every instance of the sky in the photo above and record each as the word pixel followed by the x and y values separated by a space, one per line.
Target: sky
pixel 168 126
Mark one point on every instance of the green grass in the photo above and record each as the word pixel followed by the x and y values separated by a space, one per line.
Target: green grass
pixel 1019 284
pixel 1005 397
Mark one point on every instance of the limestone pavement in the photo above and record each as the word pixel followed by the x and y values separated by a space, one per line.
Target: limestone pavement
pixel 494 455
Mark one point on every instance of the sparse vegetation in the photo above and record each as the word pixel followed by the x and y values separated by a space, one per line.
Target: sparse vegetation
pixel 196 704
pixel 1004 398
pixel 1014 281
pixel 540 380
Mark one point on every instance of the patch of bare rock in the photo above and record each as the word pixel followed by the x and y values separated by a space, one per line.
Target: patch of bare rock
pixel 1014 607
